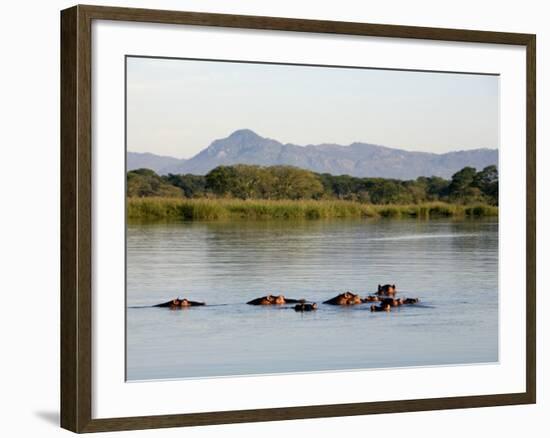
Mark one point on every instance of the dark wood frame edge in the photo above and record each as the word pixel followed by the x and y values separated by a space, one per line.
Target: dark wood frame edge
pixel 76 171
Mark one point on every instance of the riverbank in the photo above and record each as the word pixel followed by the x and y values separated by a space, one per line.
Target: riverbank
pixel 151 208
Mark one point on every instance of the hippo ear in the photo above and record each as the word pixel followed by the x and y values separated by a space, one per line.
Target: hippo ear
pixel 379 287
pixel 393 285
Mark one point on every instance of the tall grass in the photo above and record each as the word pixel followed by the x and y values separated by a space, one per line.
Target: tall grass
pixel 436 209
pixel 216 209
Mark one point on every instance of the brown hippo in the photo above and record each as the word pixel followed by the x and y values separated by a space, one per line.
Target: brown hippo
pixel 386 290
pixel 262 301
pixel 380 308
pixel 409 300
pixel 392 302
pixel 270 299
pixel 305 307
pixel 371 298
pixel 176 303
pixel 345 299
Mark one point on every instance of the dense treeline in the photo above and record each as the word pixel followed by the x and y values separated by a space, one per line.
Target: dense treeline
pixel 467 186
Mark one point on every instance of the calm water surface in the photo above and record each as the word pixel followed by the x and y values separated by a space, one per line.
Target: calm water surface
pixel 452 266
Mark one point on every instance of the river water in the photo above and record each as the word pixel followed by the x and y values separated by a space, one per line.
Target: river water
pixel 452 266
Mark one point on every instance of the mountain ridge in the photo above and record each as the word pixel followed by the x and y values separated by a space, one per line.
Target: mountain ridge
pixel 244 146
pixel 137 160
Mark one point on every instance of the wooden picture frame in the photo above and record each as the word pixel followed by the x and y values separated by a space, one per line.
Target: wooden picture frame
pixel 76 217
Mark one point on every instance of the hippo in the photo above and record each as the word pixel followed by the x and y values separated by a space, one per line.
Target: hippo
pixel 392 302
pixel 305 307
pixel 386 290
pixel 345 299
pixel 409 300
pixel 380 308
pixel 176 303
pixel 262 301
pixel 270 299
pixel 371 298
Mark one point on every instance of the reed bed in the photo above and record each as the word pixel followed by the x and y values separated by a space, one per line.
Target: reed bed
pixel 216 209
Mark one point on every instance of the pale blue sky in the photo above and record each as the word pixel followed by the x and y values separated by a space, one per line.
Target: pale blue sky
pixel 178 107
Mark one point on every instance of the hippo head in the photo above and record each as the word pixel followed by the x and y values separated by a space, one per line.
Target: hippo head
pixel 387 289
pixel 266 300
pixel 342 299
pixel 174 303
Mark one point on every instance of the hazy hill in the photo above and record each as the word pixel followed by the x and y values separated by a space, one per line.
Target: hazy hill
pixel 138 160
pixel 358 159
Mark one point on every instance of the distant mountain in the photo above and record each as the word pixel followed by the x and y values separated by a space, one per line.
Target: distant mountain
pixel 358 159
pixel 138 160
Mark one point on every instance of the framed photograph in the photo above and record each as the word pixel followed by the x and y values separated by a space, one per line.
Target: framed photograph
pixel 271 218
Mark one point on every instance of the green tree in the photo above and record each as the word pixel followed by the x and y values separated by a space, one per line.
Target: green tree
pixel 390 192
pixel 249 182
pixel 145 182
pixel 462 187
pixel 193 186
pixel 417 190
pixel 295 183
pixel 221 180
pixel 487 181
pixel 240 181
